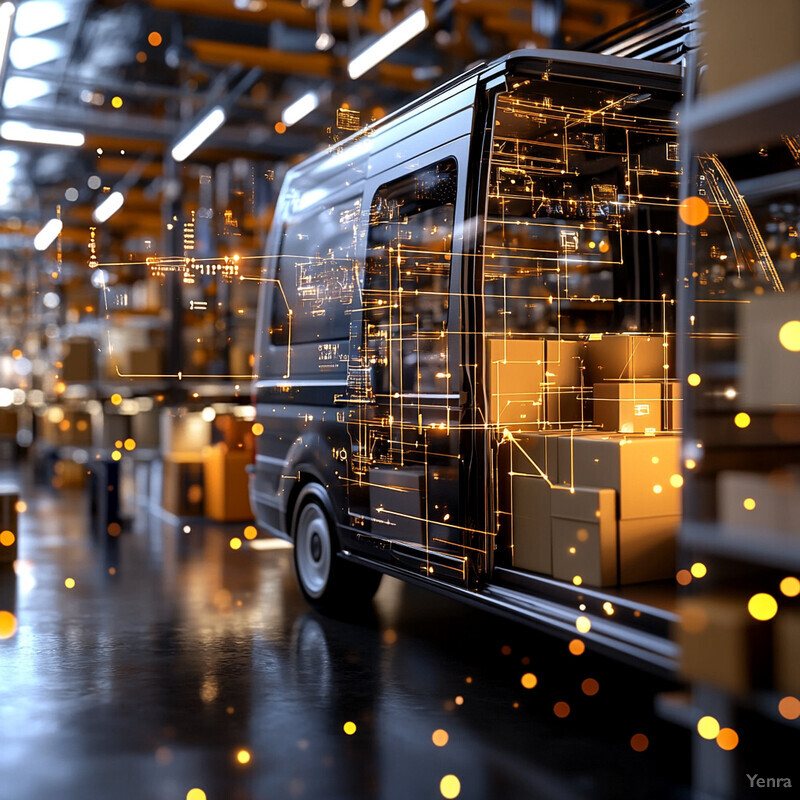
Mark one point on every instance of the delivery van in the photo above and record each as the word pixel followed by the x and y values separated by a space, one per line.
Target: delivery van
pixel 465 352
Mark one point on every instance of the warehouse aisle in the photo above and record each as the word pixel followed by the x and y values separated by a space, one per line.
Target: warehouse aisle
pixel 175 663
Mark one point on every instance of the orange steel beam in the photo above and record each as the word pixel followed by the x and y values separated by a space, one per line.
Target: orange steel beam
pixel 292 13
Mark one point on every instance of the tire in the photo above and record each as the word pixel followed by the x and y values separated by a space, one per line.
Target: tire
pixel 327 582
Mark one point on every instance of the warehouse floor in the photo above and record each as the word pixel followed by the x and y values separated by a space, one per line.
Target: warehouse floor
pixel 173 653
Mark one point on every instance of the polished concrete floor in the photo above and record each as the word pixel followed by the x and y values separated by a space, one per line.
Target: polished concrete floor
pixel 173 653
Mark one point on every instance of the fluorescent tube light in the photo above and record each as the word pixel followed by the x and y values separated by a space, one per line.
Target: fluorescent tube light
pixel 36 16
pixel 301 107
pixel 22 132
pixel 109 207
pixel 47 235
pixel 392 40
pixel 33 51
pixel 19 90
pixel 199 133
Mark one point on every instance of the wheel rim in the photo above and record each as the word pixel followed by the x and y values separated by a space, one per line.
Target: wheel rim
pixel 313 549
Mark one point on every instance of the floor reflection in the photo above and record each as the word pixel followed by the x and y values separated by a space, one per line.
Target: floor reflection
pixel 174 652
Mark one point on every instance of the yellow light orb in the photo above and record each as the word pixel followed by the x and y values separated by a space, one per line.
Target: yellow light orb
pixel 7 538
pixel 450 787
pixel 749 503
pixel 70 583
pixel 676 481
pixel 583 624
pixel 130 444
pixel 195 794
pixel 658 488
pixel 741 420
pixel 257 429
pixel 116 399
pixel 236 543
pixel 789 335
pixel 116 455
pixel 116 102
pixel 762 606
pixel 693 379
pixel 698 570
pixel 708 727
pixel 790 586
pixel 243 756
pixel 8 624
pixel 577 580
pixel 529 680
pixel 349 728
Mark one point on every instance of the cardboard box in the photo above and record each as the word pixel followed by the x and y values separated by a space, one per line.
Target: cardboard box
pixel 531 527
pixel 640 468
pixel 672 406
pixel 183 431
pixel 633 407
pixel 8 525
pixel 182 484
pixel 721 644
pixel 743 41
pixel 236 432
pixel 786 648
pixel 759 501
pixel 144 429
pixel 647 548
pixel 397 498
pixel 225 480
pixel 515 374
pixel 562 382
pixel 623 357
pixel 768 369
pixel 147 362
pixel 80 356
pixel 535 452
pixel 584 530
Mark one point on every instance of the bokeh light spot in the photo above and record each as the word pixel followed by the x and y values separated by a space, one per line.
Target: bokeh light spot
pixel 236 543
pixel 250 532
pixel 639 742
pixel 8 624
pixel 728 739
pixel 789 335
pixel 583 624
pixel 790 586
pixel 789 707
pixel 590 687
pixel 257 429
pixel 561 709
pixel 694 210
pixel 116 399
pixel 529 680
pixel 676 481
pixel 762 606
pixel 349 728
pixel 7 538
pixel 243 756
pixel 749 503
pixel 741 420
pixel 708 727
pixel 450 787
pixel 70 583
pixel 577 647
pixel 693 379
pixel 440 737
pixel 154 39
pixel 698 570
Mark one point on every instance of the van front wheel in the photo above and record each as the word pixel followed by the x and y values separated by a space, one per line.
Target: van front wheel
pixel 326 581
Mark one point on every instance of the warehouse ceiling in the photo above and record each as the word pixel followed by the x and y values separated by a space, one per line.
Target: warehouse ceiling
pixel 134 76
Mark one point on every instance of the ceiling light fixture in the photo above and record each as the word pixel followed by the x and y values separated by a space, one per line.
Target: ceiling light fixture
pixel 301 107
pixel 36 16
pixel 48 234
pixel 33 51
pixel 108 207
pixel 199 133
pixel 22 132
pixel 392 40
pixel 19 90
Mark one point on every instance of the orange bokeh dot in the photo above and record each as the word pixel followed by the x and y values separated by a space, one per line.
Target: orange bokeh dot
pixel 440 737
pixel 789 707
pixel 505 650
pixel 154 39
pixel 561 709
pixel 8 624
pixel 684 577
pixel 694 210
pixel 639 742
pixel 576 647
pixel 727 739
pixel 590 687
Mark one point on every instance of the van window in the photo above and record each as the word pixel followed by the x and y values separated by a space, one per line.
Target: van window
pixel 407 281
pixel 318 275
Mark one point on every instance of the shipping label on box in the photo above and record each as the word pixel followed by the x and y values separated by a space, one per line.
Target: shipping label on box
pixel 531 534
pixel 515 374
pixel 584 529
pixel 633 407
pixel 644 470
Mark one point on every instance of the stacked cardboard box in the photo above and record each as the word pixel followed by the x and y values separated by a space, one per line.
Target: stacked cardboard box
pixel 623 357
pixel 628 407
pixel 645 473
pixel 562 382
pixel 225 480
pixel 515 373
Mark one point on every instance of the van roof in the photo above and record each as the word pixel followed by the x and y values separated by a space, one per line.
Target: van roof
pixel 487 70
